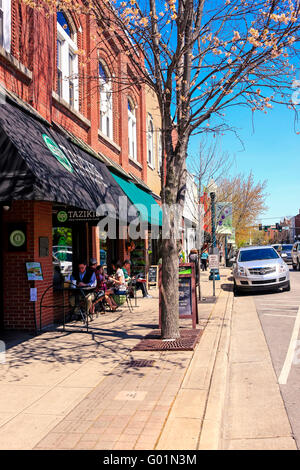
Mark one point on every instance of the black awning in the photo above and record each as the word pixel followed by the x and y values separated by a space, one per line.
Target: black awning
pixel 38 163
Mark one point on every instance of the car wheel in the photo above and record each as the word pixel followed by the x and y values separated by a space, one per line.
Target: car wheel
pixel 287 288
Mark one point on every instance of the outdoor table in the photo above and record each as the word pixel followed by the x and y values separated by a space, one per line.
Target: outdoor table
pixel 83 292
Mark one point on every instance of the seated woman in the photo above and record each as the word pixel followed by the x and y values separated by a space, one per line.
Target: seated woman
pixel 102 286
pixel 120 282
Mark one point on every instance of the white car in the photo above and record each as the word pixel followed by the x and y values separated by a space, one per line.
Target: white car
pixel 260 268
pixel 65 257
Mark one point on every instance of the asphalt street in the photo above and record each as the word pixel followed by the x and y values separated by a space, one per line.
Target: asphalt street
pixel 279 314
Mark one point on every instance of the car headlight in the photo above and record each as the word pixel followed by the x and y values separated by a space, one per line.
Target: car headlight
pixel 241 271
pixel 282 268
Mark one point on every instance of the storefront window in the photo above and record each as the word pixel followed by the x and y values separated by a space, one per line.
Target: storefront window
pixel 138 258
pixel 62 248
pixel 103 249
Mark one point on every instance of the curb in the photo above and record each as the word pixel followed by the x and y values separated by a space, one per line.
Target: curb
pixel 210 436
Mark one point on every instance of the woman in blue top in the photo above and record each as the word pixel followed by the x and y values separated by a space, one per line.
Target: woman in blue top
pixel 204 258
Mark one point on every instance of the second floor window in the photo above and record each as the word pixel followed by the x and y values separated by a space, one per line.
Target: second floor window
pixel 159 151
pixel 5 24
pixel 150 142
pixel 67 62
pixel 106 103
pixel 132 147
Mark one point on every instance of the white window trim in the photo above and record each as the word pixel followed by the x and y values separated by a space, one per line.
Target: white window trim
pixel 68 45
pixel 6 9
pixel 159 151
pixel 132 140
pixel 106 106
pixel 150 143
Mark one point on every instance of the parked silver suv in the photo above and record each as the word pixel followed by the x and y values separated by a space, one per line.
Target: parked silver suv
pixel 259 268
pixel 296 255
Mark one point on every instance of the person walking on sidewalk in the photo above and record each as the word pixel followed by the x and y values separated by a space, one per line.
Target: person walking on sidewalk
pixel 204 260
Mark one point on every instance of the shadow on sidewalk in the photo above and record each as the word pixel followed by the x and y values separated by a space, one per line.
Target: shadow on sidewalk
pixel 227 287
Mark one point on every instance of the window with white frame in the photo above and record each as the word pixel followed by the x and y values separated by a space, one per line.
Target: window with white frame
pixel 67 62
pixel 106 104
pixel 159 151
pixel 132 147
pixel 5 24
pixel 150 142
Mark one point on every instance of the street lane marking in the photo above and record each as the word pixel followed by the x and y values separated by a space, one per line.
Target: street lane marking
pixel 275 315
pixel 291 352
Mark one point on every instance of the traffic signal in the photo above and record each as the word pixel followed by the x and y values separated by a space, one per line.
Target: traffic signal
pixel 260 227
pixel 278 227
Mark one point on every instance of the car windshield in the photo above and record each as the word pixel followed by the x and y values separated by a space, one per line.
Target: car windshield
pixel 259 254
pixel 64 256
pixel 287 247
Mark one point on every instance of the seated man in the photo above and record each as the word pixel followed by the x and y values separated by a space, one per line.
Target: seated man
pixel 83 276
pixel 139 284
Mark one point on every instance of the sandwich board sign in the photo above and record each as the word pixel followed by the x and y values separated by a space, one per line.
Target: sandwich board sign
pixel 188 306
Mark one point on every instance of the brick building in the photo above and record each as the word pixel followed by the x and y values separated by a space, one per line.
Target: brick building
pixel 78 139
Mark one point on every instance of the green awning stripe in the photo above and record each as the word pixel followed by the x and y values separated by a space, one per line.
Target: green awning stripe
pixel 149 210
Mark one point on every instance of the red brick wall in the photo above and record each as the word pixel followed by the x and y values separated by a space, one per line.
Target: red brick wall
pixel 34 45
pixel 18 309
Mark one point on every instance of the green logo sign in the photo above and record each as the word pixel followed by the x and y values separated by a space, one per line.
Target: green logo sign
pixel 62 216
pixel 58 153
pixel 17 238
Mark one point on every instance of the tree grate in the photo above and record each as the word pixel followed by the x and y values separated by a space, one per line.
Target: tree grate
pixel 153 342
pixel 141 363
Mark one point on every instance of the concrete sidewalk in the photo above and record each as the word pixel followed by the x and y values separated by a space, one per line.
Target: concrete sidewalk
pixel 76 390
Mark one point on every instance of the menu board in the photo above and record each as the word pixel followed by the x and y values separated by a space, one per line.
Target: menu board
pixel 188 306
pixel 152 276
pixel 185 296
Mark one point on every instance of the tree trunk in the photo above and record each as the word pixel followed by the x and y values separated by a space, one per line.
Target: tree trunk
pixel 170 296
pixel 173 201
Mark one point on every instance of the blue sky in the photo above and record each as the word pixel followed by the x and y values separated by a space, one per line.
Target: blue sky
pixel 271 151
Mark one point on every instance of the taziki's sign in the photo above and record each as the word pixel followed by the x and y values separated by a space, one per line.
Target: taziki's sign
pixel 64 216
pixel 73 162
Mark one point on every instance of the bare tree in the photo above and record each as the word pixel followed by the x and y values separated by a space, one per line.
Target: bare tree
pixel 248 202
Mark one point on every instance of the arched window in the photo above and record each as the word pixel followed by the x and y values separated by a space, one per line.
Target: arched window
pixel 106 102
pixel 67 61
pixel 150 142
pixel 5 24
pixel 132 147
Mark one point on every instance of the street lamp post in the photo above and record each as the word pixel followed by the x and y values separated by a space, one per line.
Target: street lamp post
pixel 214 273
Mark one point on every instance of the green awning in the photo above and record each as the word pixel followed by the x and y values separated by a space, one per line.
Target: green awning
pixel 148 208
